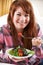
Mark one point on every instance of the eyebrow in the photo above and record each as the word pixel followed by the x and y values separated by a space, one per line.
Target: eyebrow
pixel 21 13
pixel 18 12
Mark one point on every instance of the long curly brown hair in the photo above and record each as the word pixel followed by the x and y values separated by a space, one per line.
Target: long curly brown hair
pixel 29 30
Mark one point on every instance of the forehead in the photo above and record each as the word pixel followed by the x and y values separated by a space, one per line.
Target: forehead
pixel 19 9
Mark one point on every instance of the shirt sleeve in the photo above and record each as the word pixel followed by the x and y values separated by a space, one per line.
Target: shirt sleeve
pixel 40 33
pixel 39 30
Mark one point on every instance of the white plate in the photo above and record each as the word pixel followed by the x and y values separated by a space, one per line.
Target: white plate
pixel 17 57
pixel 6 64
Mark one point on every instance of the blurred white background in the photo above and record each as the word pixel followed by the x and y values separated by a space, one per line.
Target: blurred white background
pixel 38 11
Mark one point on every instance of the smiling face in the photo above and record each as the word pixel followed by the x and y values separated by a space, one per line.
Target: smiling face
pixel 20 19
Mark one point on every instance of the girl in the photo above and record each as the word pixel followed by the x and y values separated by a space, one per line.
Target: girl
pixel 20 20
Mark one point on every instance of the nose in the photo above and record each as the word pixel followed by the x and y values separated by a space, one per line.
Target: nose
pixel 22 19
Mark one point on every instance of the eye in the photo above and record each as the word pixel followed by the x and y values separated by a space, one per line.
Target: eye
pixel 26 15
pixel 19 14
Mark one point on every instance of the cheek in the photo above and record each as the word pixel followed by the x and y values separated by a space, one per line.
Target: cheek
pixel 16 19
pixel 28 18
pixel 13 19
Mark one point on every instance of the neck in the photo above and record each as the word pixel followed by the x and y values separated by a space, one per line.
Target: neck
pixel 19 31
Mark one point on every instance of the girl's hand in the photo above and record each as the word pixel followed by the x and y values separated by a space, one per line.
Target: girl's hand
pixel 36 41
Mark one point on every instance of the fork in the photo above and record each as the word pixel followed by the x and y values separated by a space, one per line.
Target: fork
pixel 20 34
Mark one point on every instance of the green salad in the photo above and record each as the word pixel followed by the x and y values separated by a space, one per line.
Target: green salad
pixel 19 51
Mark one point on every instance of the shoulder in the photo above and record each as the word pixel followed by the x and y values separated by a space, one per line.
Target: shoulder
pixel 39 30
pixel 37 26
pixel 5 30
